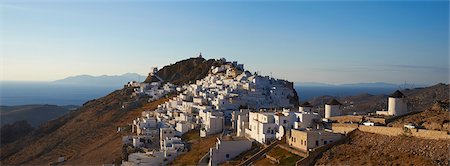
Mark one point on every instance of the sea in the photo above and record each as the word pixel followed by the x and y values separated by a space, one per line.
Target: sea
pixel 22 93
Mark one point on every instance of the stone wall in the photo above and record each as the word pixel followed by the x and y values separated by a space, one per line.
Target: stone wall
pixel 357 119
pixel 430 134
pixel 391 131
pixel 343 128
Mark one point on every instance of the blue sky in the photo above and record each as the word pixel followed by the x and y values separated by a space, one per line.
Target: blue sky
pixel 304 41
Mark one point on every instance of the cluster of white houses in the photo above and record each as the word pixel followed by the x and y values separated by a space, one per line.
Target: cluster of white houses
pixel 254 107
pixel 154 90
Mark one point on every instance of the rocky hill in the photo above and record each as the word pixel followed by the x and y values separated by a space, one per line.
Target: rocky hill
pixel 33 114
pixel 187 71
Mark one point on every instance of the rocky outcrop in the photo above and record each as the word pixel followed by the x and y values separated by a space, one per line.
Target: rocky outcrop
pixel 186 71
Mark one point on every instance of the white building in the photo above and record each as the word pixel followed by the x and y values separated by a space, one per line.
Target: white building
pixel 333 108
pixel 143 123
pixel 265 126
pixel 305 107
pixel 240 121
pixel 227 149
pixel 166 133
pixel 262 127
pixel 144 159
pixel 306 140
pixel 397 105
pixel 172 147
pixel 183 127
pixel 212 122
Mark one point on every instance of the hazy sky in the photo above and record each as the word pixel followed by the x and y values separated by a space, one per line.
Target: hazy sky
pixel 331 42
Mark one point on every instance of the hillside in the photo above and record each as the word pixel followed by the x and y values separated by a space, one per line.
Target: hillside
pixel 374 149
pixel 85 136
pixel 186 71
pixel 419 98
pixel 33 114
pixel 11 132
pixel 434 118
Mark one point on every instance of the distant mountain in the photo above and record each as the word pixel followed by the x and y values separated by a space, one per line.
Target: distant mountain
pixel 364 84
pixel 104 80
pixel 33 114
pixel 312 84
pixel 372 84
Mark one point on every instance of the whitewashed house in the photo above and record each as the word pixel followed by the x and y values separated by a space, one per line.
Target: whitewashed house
pixel 212 122
pixel 227 149
pixel 262 127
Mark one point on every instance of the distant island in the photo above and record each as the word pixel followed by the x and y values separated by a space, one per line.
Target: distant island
pixel 103 80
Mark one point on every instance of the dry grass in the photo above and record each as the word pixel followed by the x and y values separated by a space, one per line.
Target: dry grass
pixel 374 149
pixel 264 162
pixel 285 157
pixel 191 135
pixel 199 147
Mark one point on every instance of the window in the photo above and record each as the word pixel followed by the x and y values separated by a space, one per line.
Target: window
pixel 227 155
pixel 284 121
pixel 317 143
pixel 325 142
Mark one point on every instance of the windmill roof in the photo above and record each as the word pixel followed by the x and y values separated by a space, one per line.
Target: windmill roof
pixel 397 94
pixel 306 104
pixel 334 102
